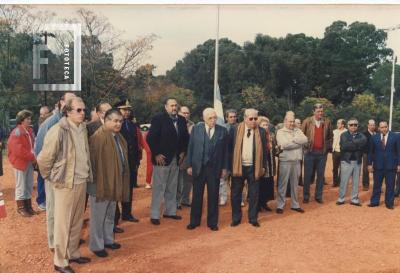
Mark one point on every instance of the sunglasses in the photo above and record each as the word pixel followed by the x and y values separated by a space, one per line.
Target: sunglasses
pixel 353 124
pixel 255 119
pixel 80 110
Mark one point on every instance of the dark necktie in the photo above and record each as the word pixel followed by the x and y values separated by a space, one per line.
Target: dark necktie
pixel 248 133
pixel 209 132
pixel 120 153
pixel 383 142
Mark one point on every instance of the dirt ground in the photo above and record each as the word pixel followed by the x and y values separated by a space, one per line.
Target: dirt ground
pixel 326 238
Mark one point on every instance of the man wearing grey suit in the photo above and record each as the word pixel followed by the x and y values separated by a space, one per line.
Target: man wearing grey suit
pixel 208 161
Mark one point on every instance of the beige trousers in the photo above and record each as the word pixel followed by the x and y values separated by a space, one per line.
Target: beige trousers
pixel 69 207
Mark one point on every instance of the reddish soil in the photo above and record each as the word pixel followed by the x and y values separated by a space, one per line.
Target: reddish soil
pixel 325 239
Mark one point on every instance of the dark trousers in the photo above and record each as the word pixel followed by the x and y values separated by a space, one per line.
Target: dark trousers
pixel 365 173
pixel 206 177
pixel 41 196
pixel 336 167
pixel 389 176
pixel 397 186
pixel 126 206
pixel 266 190
pixel 313 160
pixel 253 193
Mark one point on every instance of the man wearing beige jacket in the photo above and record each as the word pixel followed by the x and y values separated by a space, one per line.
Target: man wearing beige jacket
pixel 290 142
pixel 65 161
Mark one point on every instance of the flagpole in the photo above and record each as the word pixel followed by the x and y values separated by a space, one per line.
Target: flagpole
pixel 217 95
pixel 392 90
pixel 216 56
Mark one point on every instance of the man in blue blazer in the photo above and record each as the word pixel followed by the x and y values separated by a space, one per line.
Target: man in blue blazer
pixel 383 161
pixel 208 161
pixel 168 139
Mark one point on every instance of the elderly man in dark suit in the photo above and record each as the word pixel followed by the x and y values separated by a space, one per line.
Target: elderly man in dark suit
pixel 168 139
pixel 383 161
pixel 208 161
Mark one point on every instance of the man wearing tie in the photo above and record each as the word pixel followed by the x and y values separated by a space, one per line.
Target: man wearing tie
pixel 109 157
pixel 208 162
pixel 383 161
pixel 168 139
pixel 249 161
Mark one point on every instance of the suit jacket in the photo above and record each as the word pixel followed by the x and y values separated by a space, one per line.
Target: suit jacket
pixel 384 159
pixel 232 141
pixel 164 139
pixel 218 153
pixel 368 135
pixel 93 126
pixel 133 136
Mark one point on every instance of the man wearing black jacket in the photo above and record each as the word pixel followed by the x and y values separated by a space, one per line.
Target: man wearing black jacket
pixel 352 145
pixel 168 139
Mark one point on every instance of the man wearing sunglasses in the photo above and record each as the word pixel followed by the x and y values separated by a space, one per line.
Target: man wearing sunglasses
pixel 49 192
pixel 383 161
pixel 318 130
pixel 249 161
pixel 352 145
pixel 65 162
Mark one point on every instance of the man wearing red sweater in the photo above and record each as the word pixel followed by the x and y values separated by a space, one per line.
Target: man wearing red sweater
pixel 318 130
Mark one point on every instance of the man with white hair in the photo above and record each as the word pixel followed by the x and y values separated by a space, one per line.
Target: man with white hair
pixel 249 162
pixel 290 141
pixel 207 161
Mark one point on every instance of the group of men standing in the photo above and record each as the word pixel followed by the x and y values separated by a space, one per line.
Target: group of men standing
pixel 98 162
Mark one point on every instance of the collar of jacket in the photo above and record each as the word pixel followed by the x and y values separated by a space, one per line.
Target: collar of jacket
pixel 65 125
pixel 315 122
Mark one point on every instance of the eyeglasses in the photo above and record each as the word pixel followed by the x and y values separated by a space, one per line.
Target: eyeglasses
pixel 255 119
pixel 353 124
pixel 80 110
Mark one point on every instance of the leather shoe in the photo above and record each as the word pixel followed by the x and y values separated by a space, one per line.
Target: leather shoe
pixel 339 203
pixel 390 207
pixel 179 207
pixel 81 241
pixel 305 201
pixel 175 217
pixel 214 228
pixel 279 211
pixel 113 246
pixel 101 253
pixel 130 218
pixel 298 210
pixel 355 204
pixel 155 221
pixel 191 226
pixel 186 205
pixel 372 205
pixel 319 201
pixel 118 230
pixel 235 223
pixel 66 269
pixel 80 260
pixel 255 224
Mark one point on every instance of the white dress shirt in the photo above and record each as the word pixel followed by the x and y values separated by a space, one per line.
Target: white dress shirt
pixel 247 149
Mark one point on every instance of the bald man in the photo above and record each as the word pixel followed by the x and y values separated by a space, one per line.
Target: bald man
pixel 207 160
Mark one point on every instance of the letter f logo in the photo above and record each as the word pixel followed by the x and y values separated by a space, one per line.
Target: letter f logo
pixel 37 61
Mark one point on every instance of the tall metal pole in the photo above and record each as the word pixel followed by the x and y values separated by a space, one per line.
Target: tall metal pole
pixel 216 56
pixel 392 90
pixel 45 68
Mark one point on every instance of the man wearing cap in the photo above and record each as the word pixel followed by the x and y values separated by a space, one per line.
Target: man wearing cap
pixel 131 133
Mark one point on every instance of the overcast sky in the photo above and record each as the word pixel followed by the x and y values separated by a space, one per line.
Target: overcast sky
pixel 181 28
